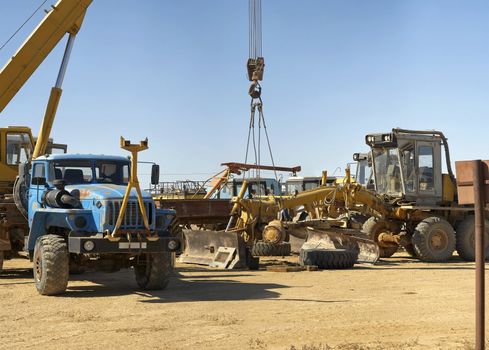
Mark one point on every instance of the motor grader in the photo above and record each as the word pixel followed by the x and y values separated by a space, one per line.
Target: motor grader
pixel 263 225
pixel 418 208
pixel 414 203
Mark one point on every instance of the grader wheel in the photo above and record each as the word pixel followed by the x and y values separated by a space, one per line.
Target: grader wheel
pixel 373 227
pixel 465 233
pixel 270 249
pixel 434 240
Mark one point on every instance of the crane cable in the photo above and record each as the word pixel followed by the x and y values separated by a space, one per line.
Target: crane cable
pixel 23 24
pixel 255 68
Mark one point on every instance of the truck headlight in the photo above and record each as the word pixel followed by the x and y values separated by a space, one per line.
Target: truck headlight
pixel 80 222
pixel 88 246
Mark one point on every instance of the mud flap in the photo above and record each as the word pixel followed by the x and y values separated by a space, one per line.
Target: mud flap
pixel 220 249
pixel 339 238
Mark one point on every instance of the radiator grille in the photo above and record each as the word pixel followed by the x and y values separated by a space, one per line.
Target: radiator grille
pixel 133 217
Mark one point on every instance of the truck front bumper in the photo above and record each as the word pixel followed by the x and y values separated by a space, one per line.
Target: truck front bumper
pixel 100 245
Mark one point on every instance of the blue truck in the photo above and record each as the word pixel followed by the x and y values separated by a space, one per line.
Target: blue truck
pixel 73 204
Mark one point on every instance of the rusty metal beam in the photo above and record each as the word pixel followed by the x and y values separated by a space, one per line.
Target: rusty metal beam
pixel 233 166
pixel 479 203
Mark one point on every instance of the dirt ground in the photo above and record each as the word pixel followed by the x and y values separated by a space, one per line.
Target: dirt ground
pixel 398 304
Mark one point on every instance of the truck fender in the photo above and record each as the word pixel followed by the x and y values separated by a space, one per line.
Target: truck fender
pixel 62 218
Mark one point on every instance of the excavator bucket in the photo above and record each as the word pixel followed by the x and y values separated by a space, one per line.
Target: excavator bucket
pixel 220 249
pixel 340 238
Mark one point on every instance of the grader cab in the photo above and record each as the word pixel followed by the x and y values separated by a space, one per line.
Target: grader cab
pixel 418 208
pixel 408 165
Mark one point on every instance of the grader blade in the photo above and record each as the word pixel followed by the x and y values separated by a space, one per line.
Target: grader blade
pixel 340 238
pixel 220 249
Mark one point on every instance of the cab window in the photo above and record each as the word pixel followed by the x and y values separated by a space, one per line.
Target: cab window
pixel 425 161
pixel 18 148
pixel 38 171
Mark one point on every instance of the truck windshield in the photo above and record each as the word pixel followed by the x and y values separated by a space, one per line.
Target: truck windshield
pixel 76 172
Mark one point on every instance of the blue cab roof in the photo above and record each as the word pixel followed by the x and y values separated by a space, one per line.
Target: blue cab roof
pixel 77 156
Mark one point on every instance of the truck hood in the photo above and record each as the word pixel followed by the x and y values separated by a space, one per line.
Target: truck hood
pixel 104 191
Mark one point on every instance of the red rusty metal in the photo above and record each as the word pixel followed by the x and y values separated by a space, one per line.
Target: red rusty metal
pixel 472 188
pixel 199 211
pixel 244 167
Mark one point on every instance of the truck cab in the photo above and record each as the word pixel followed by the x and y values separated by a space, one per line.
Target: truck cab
pixel 297 184
pixel 75 200
pixel 256 187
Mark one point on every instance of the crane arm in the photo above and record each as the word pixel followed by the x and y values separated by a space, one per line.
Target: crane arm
pixel 66 17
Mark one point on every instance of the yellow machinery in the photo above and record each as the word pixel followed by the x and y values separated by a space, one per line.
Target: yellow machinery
pixel 413 204
pixel 264 222
pixel 65 17
pixel 133 184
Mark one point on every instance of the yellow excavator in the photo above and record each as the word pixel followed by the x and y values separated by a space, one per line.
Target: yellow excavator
pixel 17 144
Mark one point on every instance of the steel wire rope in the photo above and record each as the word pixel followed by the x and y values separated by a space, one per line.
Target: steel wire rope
pixel 23 24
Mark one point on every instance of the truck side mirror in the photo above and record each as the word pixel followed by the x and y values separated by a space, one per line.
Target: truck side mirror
pixel 155 174
pixel 39 181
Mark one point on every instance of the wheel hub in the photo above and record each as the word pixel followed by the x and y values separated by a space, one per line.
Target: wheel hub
pixel 438 240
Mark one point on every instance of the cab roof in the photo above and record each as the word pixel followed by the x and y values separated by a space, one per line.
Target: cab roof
pixel 78 156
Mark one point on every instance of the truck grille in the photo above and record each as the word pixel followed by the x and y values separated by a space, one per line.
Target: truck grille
pixel 133 217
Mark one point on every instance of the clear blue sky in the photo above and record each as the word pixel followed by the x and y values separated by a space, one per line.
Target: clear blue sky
pixel 174 71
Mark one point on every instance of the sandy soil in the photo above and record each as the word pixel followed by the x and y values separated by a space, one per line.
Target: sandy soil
pixel 398 304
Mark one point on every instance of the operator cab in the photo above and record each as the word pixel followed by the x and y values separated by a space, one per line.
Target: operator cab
pixel 363 172
pixel 407 165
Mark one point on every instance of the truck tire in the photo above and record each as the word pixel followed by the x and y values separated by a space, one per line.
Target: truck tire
pixel 373 227
pixel 465 233
pixel 270 249
pixel 327 258
pixel 51 265
pixel 154 272
pixel 434 240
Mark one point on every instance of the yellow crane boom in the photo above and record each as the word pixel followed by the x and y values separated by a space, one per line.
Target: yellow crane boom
pixel 65 17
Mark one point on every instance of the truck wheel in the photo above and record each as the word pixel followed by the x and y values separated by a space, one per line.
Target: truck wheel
pixel 154 272
pixel 465 233
pixel 373 227
pixel 51 264
pixel 270 249
pixel 434 240
pixel 327 258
